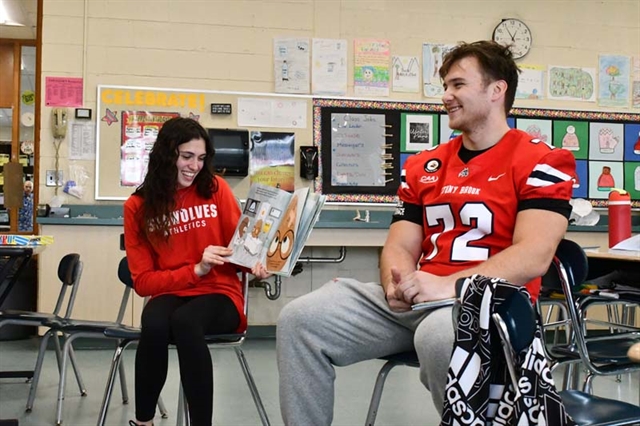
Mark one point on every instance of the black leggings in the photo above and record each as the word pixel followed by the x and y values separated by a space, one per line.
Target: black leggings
pixel 183 321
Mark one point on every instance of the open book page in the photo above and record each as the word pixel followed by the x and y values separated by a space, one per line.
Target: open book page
pixel 310 216
pixel 281 250
pixel 631 244
pixel 261 217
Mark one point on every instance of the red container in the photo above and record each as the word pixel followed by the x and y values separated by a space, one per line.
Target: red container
pixel 619 216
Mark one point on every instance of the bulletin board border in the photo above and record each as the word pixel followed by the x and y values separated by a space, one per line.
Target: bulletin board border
pixel 535 113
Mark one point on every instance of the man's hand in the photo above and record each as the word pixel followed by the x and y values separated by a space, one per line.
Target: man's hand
pixel 212 256
pixel 396 304
pixel 419 286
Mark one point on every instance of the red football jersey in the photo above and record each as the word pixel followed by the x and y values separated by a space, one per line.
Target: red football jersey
pixel 469 209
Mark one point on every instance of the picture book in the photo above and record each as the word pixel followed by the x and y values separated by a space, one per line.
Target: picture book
pixel 274 227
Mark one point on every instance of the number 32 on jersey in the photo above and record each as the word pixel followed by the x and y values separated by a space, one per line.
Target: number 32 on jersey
pixel 475 216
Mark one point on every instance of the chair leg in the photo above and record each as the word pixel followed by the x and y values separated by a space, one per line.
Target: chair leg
pixel 182 417
pixel 37 370
pixel 161 407
pixel 63 377
pixel 588 384
pixel 111 378
pixel 377 392
pixel 123 384
pixel 58 349
pixel 76 371
pixel 252 386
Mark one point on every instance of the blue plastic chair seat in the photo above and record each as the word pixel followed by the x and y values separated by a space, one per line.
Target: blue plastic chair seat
pixel 589 410
pixel 603 351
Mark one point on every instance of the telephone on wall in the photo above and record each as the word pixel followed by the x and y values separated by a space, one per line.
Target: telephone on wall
pixel 59 123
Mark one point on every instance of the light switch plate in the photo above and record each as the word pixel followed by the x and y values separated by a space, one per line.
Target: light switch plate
pixel 51 178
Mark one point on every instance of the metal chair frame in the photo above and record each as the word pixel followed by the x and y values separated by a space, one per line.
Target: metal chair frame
pixel 584 408
pixel 128 335
pixel 562 266
pixel 73 329
pixel 602 355
pixel 69 274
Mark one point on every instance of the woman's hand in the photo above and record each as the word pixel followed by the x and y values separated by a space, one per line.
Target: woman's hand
pixel 260 271
pixel 212 256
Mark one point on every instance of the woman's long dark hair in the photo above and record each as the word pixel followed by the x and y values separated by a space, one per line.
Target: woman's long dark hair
pixel 159 187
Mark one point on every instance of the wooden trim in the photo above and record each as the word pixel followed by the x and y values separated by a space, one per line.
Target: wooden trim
pixel 36 130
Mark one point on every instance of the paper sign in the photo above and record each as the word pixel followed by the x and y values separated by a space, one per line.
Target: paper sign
pixel 63 91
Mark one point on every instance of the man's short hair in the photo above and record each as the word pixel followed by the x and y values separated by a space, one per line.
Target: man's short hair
pixel 496 63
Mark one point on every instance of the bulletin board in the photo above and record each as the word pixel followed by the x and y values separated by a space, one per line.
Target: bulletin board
pixel 606 146
pixel 129 118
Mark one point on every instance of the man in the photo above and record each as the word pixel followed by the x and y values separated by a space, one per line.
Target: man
pixel 25 215
pixel 492 201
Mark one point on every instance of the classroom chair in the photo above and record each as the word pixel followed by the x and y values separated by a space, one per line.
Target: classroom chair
pixel 515 322
pixel 601 355
pixel 69 273
pixel 73 329
pixel 128 335
pixel 568 267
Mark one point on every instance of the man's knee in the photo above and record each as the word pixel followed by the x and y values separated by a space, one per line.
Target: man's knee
pixel 292 317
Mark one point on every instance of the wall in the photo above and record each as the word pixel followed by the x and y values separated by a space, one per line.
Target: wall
pixel 227 45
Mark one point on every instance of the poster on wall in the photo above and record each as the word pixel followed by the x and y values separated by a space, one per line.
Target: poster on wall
pixel 613 80
pixel 63 91
pixel 572 84
pixel 139 132
pixel 271 159
pixel 329 66
pixel 291 64
pixel 264 112
pixel 405 71
pixel 432 55
pixel 531 82
pixel 371 70
pixel 418 132
pixel 635 82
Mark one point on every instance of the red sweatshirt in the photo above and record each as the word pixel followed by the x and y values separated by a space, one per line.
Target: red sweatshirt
pixel 167 268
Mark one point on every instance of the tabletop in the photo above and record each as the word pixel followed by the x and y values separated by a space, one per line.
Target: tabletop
pixel 600 253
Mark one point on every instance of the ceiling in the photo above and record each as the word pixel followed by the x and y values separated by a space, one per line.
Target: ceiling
pixel 24 12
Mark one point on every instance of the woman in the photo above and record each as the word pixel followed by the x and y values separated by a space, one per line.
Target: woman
pixel 178 224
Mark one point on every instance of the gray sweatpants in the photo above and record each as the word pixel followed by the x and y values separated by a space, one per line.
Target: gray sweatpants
pixel 344 322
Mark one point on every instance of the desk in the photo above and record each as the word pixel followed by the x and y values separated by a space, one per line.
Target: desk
pixel 604 261
pixel 624 255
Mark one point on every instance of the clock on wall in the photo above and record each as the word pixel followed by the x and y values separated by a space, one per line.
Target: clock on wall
pixel 515 34
pixel 27 119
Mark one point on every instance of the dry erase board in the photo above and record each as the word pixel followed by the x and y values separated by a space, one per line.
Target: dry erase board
pixel 606 146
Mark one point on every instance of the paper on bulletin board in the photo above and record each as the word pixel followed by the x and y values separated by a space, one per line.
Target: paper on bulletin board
pixel 291 65
pixel 83 143
pixel 614 72
pixel 635 82
pixel 531 82
pixel 432 56
pixel 256 112
pixel 371 70
pixel 572 84
pixel 272 160
pixel 405 72
pixel 329 63
pixel 357 150
pixel 63 91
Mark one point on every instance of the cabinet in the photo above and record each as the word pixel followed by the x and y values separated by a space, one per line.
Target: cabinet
pixel 18 110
